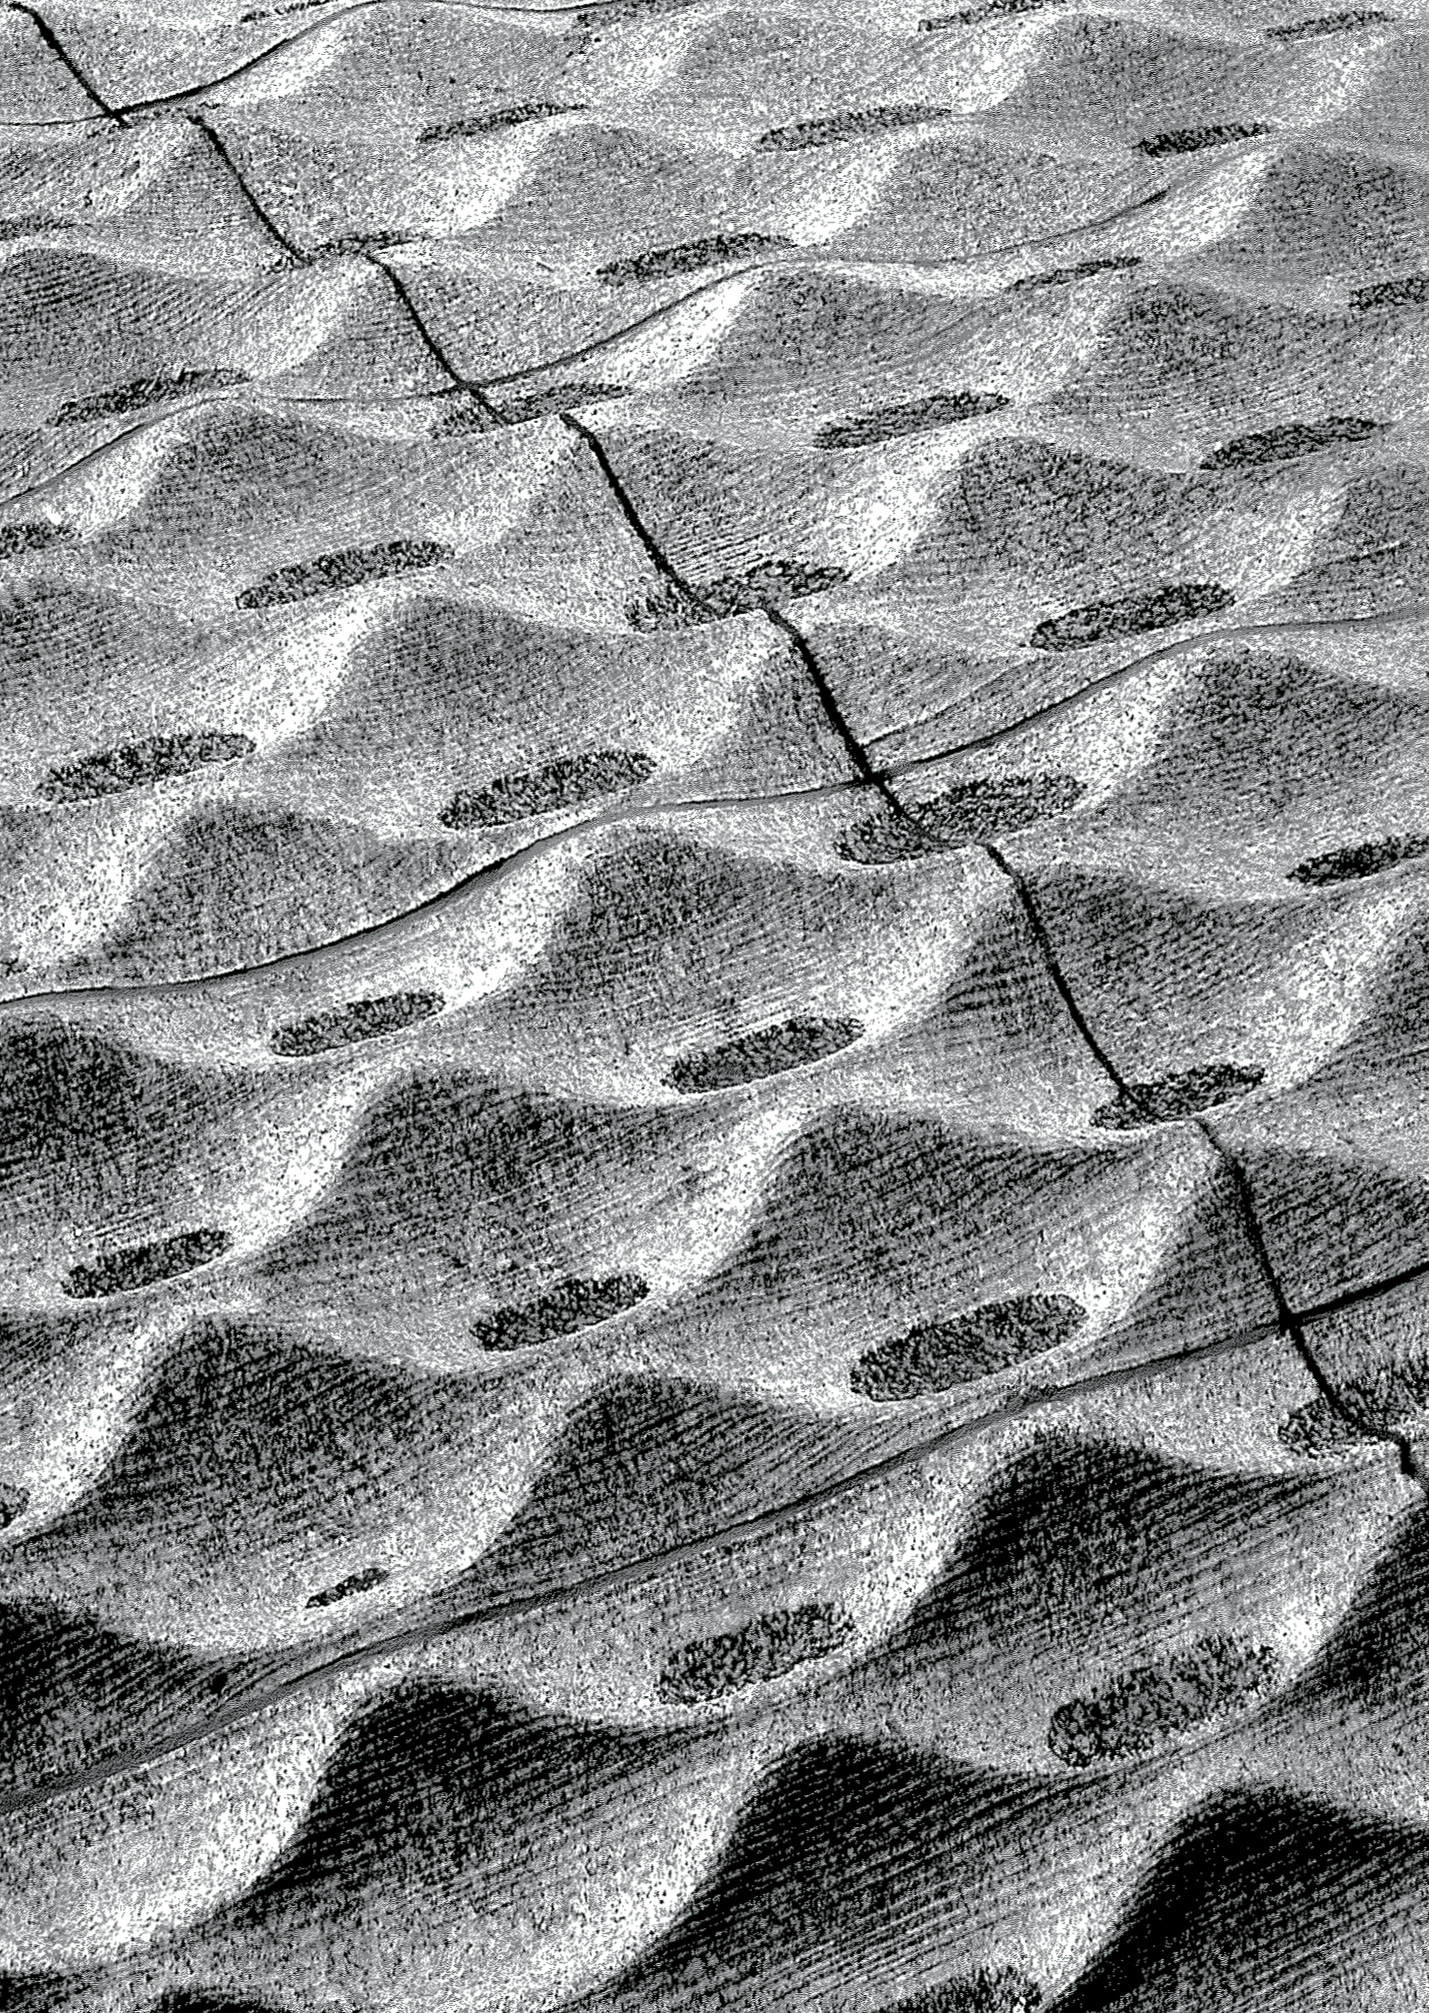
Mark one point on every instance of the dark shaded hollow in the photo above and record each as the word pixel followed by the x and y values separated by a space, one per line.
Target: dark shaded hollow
pixel 606 16
pixel 139 1265
pixel 478 124
pixel 359 1020
pixel 1288 443
pixel 574 1305
pixel 848 126
pixel 1131 615
pixel 555 786
pixel 1353 863
pixel 33 536
pixel 183 1999
pixel 940 1355
pixel 1005 1990
pixel 1329 24
pixel 1173 1097
pixel 141 762
pixel 688 258
pixel 1156 1703
pixel 145 391
pixel 919 415
pixel 991 10
pixel 1060 276
pixel 354 243
pixel 355 1583
pixel 968 814
pixel 766 1648
pixel 792 1044
pixel 14 1501
pixel 768 584
pixel 31 226
pixel 1375 1401
pixel 1191 139
pixel 333 571
pixel 1409 290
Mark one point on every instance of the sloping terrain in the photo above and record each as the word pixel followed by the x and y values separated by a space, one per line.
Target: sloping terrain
pixel 714 831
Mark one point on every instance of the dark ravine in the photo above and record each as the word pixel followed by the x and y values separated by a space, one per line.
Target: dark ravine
pixel 860 125
pixel 142 392
pixel 1290 442
pixel 966 814
pixel 688 258
pixel 920 415
pixel 1131 615
pixel 940 1355
pixel 1168 1098
pixel 481 125
pixel 33 536
pixel 1061 276
pixel 555 786
pixel 360 1582
pixel 1192 139
pixel 1357 862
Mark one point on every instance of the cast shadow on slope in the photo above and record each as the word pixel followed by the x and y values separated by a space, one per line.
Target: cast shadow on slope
pixel 1096 1549
pixel 74 1695
pixel 90 1126
pixel 246 1433
pixel 1259 1899
pixel 845 1844
pixel 647 1464
pixel 435 1784
pixel 238 885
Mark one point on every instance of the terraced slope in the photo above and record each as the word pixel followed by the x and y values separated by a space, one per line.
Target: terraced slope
pixel 715 847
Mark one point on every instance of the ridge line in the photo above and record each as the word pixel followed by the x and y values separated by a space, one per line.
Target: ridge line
pixel 631 1572
pixel 1053 965
pixel 857 755
pixel 1288 1322
pixel 201 124
pixel 1405 611
pixel 429 342
pixel 611 1578
pixel 53 43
